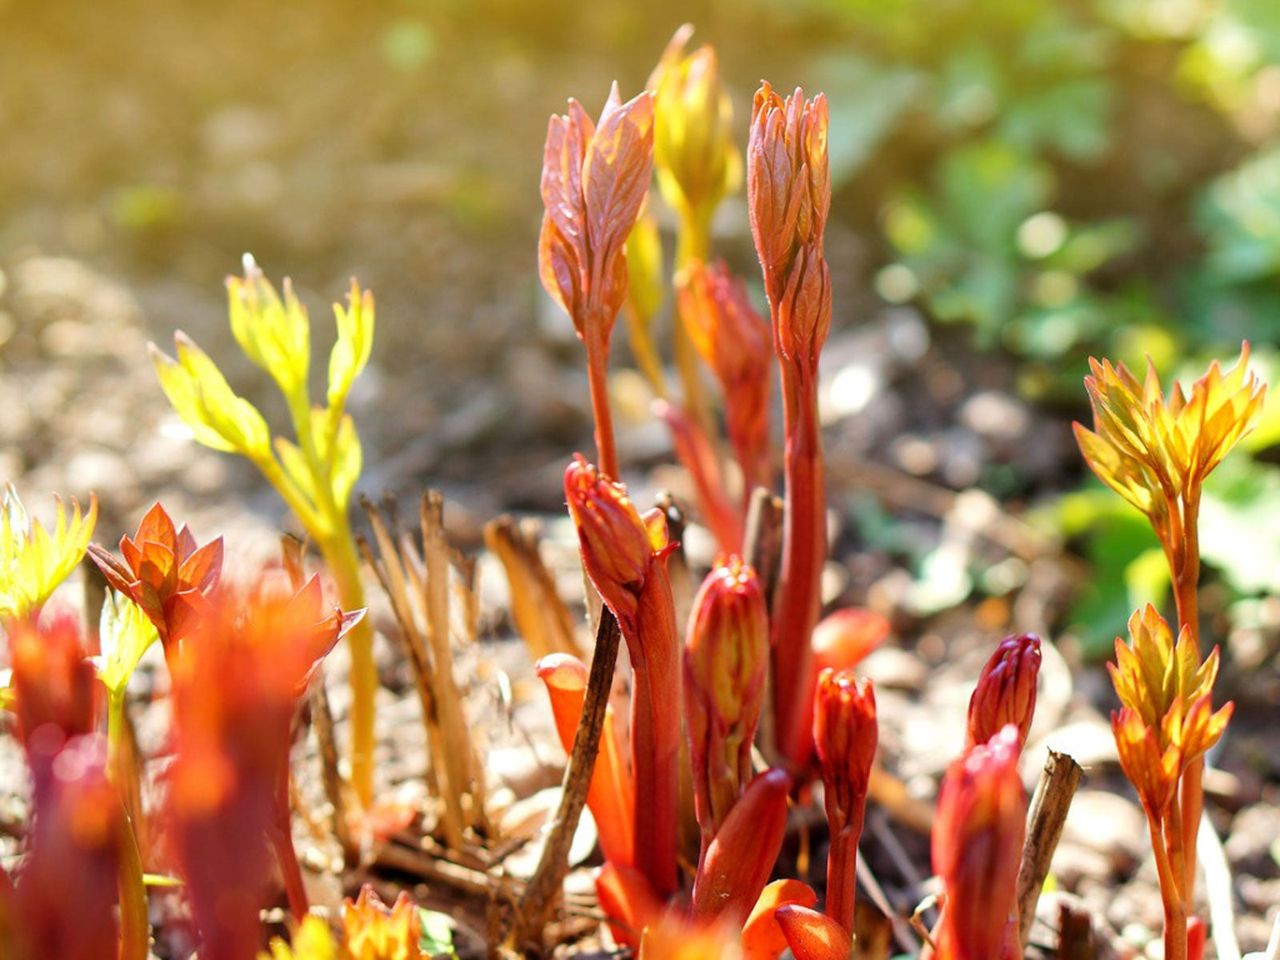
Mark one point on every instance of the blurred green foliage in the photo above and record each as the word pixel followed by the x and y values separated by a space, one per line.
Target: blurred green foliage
pixel 1066 176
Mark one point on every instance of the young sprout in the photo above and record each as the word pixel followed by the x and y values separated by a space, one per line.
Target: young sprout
pixel 164 573
pixel 788 195
pixel 236 687
pixel 83 853
pixel 625 557
pixel 314 475
pixel 733 340
pixel 33 560
pixel 311 941
pixel 1156 452
pixel 697 165
pixel 1006 690
pixel 594 180
pixel 845 734
pixel 726 655
pixel 371 931
pixel 1165 726
pixel 977 848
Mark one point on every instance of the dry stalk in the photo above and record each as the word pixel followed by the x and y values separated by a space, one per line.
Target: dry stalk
pixel 1048 814
pixel 524 928
pixel 330 776
pixel 541 618
pixel 762 546
pixel 418 590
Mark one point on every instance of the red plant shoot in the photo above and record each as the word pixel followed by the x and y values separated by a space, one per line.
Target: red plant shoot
pixel 725 658
pixel 236 684
pixel 977 848
pixel 625 557
pixel 594 180
pixel 1006 690
pixel 845 734
pixel 788 194
pixel 164 573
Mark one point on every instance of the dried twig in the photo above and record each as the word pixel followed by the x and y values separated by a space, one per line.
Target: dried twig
pixel 902 931
pixel 330 776
pixel 1075 934
pixel 1046 818
pixel 418 589
pixel 762 545
pixel 525 928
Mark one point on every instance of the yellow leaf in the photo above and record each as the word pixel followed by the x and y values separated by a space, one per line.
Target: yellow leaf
pixel 125 633
pixel 201 396
pixel 355 341
pixel 311 941
pixel 273 332
pixel 33 560
pixel 347 461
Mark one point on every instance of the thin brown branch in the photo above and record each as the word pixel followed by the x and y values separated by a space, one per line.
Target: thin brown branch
pixel 1045 821
pixel 330 776
pixel 1075 934
pixel 762 546
pixel 525 928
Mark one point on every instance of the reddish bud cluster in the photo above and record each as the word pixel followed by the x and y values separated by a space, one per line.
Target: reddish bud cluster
pixel 725 660
pixel 789 193
pixel 164 572
pixel 1006 690
pixel 977 848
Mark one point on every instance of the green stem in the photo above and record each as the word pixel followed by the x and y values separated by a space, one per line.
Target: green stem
pixel 135 927
pixel 340 556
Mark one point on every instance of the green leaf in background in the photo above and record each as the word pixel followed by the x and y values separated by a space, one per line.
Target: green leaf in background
pixel 866 98
pixel 1127 565
pixel 1240 524
pixel 437 933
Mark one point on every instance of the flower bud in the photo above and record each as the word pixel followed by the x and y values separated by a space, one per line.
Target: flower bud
pixel 1006 690
pixel 616 543
pixel 696 161
pixel 788 185
pixel 977 848
pixel 845 735
pixel 726 656
pixel 594 179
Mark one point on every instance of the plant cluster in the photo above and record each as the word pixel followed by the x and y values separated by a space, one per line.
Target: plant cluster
pixel 734 715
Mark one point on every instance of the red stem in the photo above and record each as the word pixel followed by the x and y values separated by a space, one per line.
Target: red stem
pixel 281 835
pixel 655 732
pixel 842 862
pixel 1175 918
pixel 598 380
pixel 804 549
